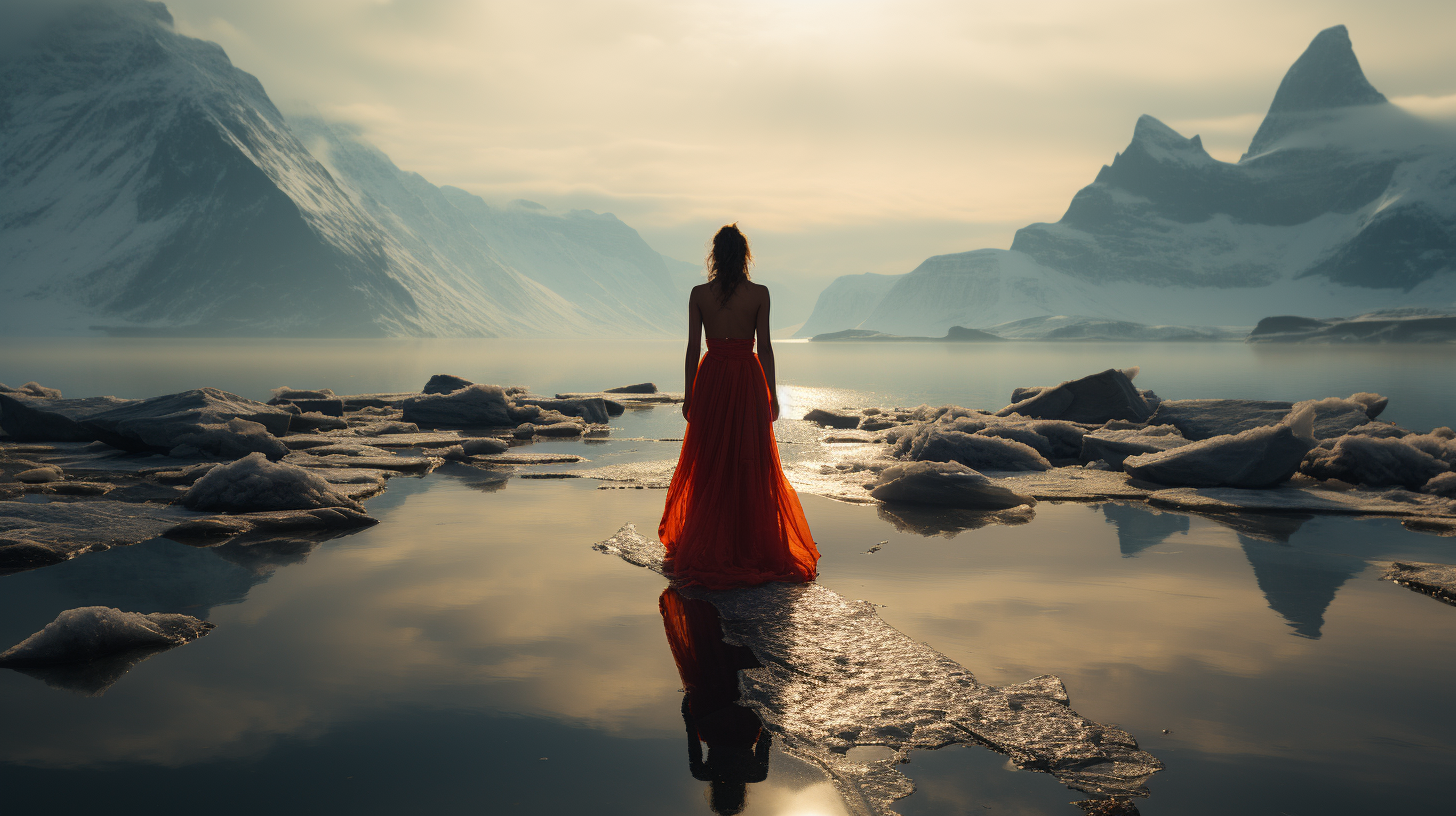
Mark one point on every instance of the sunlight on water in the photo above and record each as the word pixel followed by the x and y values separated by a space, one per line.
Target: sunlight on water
pixel 472 654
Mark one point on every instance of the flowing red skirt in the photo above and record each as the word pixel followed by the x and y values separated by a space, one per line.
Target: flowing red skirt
pixel 731 518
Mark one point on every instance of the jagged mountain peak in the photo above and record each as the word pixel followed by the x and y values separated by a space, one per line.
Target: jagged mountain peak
pixel 1326 76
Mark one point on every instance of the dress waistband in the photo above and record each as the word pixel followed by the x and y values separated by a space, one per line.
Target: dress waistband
pixel 730 347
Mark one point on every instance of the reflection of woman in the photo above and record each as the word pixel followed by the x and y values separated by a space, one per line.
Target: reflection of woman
pixel 738 745
pixel 731 519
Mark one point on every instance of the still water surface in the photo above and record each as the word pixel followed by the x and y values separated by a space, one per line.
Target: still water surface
pixel 472 655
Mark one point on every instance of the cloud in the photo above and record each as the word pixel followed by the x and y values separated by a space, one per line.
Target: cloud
pixel 807 117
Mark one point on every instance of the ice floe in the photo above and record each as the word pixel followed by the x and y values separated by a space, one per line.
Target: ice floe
pixel 1436 580
pixel 79 635
pixel 1373 461
pixel 1258 457
pixel 254 483
pixel 945 484
pixel 835 677
pixel 86 650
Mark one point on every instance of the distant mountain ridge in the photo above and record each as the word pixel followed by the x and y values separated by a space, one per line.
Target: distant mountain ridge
pixel 1343 204
pixel 149 185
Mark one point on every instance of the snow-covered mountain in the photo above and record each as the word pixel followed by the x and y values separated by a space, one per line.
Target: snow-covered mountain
pixel 596 263
pixel 150 185
pixel 1343 204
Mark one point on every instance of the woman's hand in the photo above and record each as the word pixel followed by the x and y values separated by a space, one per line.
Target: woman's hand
pixel 685 409
pixel 773 408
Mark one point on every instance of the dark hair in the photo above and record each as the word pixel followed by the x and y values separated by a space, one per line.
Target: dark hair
pixel 728 261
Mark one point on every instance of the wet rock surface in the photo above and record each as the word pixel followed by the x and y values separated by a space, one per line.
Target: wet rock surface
pixel 835 677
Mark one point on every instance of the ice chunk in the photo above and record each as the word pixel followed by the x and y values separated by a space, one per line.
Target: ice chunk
pixel 155 424
pixel 935 442
pixel 385 428
pixel 40 475
pixel 946 484
pixel 591 409
pixel 1025 436
pixel 1256 458
pixel 1114 446
pixel 445 383
pixel 238 437
pixel 285 394
pixel 1200 419
pixel 89 632
pixel 254 483
pixel 485 445
pixel 36 534
pixel 560 429
pixel 1440 443
pixel 1436 580
pixel 314 421
pixel 473 405
pixel 1064 438
pixel 29 418
pixel 835 676
pixel 1093 399
pixel 32 389
pixel 1443 485
pixel 1373 461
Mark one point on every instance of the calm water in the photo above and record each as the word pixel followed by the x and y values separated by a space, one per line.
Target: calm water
pixel 472 655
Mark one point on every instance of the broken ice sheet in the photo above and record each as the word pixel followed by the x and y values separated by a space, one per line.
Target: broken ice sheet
pixel 835 677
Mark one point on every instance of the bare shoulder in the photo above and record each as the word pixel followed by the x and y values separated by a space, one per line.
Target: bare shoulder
pixel 760 292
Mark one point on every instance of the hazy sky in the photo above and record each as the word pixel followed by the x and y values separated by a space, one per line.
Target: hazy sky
pixel 845 136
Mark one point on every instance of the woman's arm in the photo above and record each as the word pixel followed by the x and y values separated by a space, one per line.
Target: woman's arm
pixel 695 350
pixel 766 356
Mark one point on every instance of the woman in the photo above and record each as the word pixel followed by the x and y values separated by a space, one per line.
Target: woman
pixel 731 518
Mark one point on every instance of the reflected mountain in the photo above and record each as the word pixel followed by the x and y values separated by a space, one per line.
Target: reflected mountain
pixel 1299 584
pixel 948 522
pixel 738 744
pixel 486 478
pixel 1139 528
pixel 1275 528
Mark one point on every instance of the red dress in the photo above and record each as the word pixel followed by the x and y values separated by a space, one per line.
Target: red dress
pixel 731 518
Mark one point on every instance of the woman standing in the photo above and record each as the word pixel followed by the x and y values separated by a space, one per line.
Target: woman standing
pixel 731 517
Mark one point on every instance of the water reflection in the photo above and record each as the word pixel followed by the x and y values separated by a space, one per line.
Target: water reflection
pixel 1299 584
pixel 738 744
pixel 948 522
pixel 1139 528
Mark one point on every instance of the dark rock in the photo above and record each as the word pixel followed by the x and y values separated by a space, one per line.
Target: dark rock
pixel 639 388
pixel 1093 399
pixel 445 383
pixel 833 419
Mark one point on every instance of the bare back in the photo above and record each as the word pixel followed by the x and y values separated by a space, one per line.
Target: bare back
pixel 740 317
